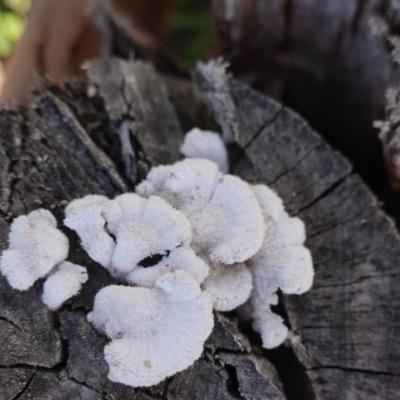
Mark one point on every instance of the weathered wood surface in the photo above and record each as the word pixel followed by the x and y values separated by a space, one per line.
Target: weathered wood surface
pixel 347 326
pixel 328 60
pixel 47 158
pixel 346 344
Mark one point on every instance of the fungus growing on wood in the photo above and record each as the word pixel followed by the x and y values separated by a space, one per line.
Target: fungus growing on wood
pixel 165 331
pixel 229 286
pixel 208 145
pixel 62 284
pixel 226 219
pixel 35 247
pixel 85 217
pixel 282 263
pixel 187 185
pixel 143 228
pixel 182 258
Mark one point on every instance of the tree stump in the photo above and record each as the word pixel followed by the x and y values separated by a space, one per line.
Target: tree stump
pixel 72 142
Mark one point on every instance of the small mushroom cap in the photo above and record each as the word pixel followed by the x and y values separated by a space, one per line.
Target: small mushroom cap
pixel 143 228
pixel 229 285
pixel 64 283
pixel 156 332
pixel 186 185
pixel 271 328
pixel 35 247
pixel 229 228
pixel 208 145
pixel 85 217
pixel 183 258
pixel 290 267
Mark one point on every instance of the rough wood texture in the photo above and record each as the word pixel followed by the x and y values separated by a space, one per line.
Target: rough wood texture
pixel 136 93
pixel 347 325
pixel 328 60
pixel 346 330
pixel 49 157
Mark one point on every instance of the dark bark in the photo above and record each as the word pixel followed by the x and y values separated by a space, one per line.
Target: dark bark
pixel 328 60
pixel 347 325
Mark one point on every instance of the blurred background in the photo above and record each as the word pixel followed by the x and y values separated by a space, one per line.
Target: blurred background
pixel 190 34
pixel 328 60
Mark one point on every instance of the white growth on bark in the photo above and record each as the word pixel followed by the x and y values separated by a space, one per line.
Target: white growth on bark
pixel 143 228
pixel 182 258
pixel 164 333
pixel 62 284
pixel 208 145
pixel 85 217
pixel 283 262
pixel 35 247
pixel 226 219
pixel 229 286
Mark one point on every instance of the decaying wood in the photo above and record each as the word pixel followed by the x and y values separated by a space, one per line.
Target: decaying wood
pixel 328 60
pixel 48 157
pixel 347 325
pixel 345 330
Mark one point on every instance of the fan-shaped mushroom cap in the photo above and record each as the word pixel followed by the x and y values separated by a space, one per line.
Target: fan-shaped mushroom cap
pixel 282 262
pixel 85 217
pixel 186 185
pixel 289 267
pixel 183 258
pixel 208 145
pixel 224 213
pixel 156 332
pixel 64 283
pixel 35 247
pixel 229 228
pixel 143 228
pixel 229 285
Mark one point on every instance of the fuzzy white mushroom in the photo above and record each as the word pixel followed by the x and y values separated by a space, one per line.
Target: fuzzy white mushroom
pixel 224 214
pixel 208 145
pixel 229 286
pixel 187 185
pixel 164 333
pixel 183 258
pixel 271 327
pixel 85 217
pixel 35 247
pixel 143 228
pixel 282 263
pixel 65 282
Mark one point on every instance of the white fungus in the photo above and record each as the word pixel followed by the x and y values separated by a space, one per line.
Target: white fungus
pixel 165 331
pixel 35 247
pixel 229 286
pixel 85 217
pixel 62 284
pixel 143 228
pixel 183 258
pixel 208 145
pixel 283 262
pixel 229 228
pixel 226 219
pixel 187 185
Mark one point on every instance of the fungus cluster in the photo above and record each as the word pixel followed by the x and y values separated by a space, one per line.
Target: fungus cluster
pixel 215 241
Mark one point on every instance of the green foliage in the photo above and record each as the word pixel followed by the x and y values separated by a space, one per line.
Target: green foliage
pixel 190 35
pixel 12 23
pixel 191 31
